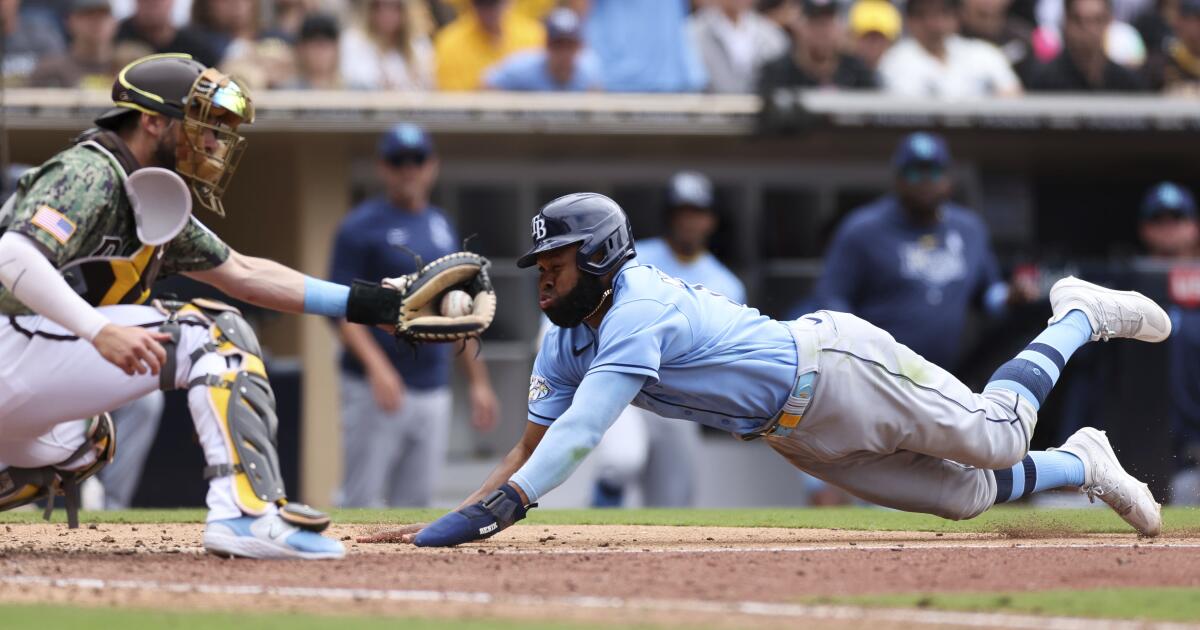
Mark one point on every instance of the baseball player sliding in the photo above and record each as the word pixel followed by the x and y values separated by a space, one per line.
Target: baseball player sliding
pixel 836 396
pixel 84 238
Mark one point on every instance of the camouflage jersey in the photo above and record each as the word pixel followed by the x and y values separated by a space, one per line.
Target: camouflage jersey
pixel 76 209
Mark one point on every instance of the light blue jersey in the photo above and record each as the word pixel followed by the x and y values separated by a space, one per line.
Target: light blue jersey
pixel 705 270
pixel 706 358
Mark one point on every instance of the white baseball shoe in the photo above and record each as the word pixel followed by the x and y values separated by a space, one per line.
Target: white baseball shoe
pixel 1104 477
pixel 268 537
pixel 1113 314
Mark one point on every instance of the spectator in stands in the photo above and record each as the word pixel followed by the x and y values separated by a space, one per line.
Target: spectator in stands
pixel 478 39
pixel 317 66
pixel 784 13
pixel 151 25
pixel 1083 65
pixel 643 46
pixel 532 9
pixel 287 16
pixel 26 41
pixel 991 21
pixel 734 43
pixel 1181 65
pixel 815 59
pixel 89 62
pixel 914 262
pixel 231 26
pixel 934 61
pixel 874 27
pixel 563 66
pixel 396 404
pixel 389 47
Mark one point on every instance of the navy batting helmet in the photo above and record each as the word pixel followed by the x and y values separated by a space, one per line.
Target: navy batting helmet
pixel 594 221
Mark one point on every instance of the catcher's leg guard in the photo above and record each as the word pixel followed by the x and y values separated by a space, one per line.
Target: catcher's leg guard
pixel 21 486
pixel 244 404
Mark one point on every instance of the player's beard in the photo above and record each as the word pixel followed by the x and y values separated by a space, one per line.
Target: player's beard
pixel 164 151
pixel 581 301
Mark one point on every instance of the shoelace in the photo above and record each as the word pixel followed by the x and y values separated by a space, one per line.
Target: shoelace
pixel 1122 503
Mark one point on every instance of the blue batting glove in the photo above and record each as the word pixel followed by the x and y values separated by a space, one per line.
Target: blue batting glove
pixel 475 522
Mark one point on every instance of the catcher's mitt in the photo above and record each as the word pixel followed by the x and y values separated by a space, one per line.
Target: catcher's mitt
pixel 419 319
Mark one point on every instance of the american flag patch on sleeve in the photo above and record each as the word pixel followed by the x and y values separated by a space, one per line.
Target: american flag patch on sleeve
pixel 54 223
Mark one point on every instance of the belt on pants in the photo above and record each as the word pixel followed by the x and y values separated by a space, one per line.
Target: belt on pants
pixel 805 336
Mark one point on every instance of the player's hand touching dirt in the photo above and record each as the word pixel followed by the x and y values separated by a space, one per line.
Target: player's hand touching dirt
pixel 133 349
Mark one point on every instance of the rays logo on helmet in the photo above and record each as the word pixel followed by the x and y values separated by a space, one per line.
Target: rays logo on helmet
pixel 538 388
pixel 539 227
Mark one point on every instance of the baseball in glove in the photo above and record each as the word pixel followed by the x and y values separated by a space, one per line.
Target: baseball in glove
pixel 408 305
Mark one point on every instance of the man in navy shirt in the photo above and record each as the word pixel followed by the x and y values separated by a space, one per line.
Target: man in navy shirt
pixel 396 403
pixel 913 262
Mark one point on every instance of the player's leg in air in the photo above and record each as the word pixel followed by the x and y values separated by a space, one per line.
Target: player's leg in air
pixel 897 430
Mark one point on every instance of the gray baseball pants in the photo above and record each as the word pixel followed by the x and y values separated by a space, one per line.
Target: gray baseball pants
pixel 392 459
pixel 894 429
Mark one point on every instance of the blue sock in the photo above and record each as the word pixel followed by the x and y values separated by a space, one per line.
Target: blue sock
pixel 1040 470
pixel 1033 373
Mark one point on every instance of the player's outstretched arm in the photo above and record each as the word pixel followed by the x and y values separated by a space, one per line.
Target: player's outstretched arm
pixel 598 401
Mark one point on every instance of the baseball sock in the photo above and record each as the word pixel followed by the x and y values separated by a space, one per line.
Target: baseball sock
pixel 1033 373
pixel 1040 470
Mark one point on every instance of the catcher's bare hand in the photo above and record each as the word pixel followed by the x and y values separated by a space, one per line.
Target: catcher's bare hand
pixel 135 350
pixel 404 534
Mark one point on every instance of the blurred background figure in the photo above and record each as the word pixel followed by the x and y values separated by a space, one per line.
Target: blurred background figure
pixel 1083 64
pixel 815 58
pixel 388 48
pixel 90 60
pixel 642 448
pixel 287 16
pixel 317 57
pixel 1169 231
pixel 137 426
pixel 992 22
pixel 151 26
pixel 782 12
pixel 643 46
pixel 734 42
pixel 565 65
pixel 231 26
pixel 1180 72
pixel 913 262
pixel 396 404
pixel 26 40
pixel 480 37
pixel 933 60
pixel 874 27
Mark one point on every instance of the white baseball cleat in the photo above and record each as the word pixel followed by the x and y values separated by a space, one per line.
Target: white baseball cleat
pixel 1104 477
pixel 1113 314
pixel 268 537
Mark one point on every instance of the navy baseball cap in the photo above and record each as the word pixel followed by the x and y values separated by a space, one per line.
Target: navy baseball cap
pixel 563 23
pixel 690 188
pixel 1168 198
pixel 921 148
pixel 1189 7
pixel 405 139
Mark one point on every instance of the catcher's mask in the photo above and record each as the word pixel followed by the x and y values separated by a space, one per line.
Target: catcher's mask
pixel 209 105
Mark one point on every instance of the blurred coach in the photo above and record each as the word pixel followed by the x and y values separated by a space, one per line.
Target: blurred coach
pixel 396 403
pixel 913 262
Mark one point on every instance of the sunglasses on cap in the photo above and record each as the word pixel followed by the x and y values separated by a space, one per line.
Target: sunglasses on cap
pixel 922 173
pixel 406 159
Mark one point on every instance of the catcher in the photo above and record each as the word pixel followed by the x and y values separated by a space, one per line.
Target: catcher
pixel 84 238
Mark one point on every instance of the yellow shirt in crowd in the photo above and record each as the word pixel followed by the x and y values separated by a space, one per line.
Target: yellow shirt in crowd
pixel 533 9
pixel 463 50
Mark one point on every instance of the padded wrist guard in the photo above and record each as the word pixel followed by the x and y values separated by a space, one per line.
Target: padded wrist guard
pixel 373 304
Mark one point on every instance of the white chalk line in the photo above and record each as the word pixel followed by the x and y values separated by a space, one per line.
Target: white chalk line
pixel 760 609
pixel 836 546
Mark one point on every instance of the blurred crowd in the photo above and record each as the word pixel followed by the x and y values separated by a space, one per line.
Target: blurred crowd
pixel 945 49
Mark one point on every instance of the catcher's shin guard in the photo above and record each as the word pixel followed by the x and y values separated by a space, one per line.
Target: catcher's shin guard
pixel 21 486
pixel 244 404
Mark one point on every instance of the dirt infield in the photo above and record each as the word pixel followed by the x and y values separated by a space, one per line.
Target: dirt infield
pixel 723 576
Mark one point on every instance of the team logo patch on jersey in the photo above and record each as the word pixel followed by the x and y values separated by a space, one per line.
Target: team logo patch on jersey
pixel 538 388
pixel 54 223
